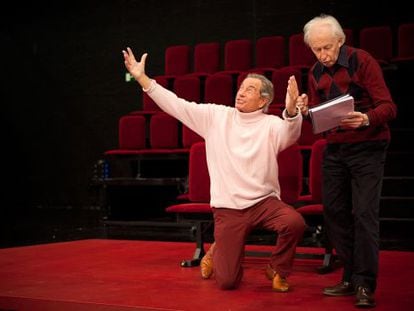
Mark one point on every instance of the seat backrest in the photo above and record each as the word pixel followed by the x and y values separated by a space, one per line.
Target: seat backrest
pixel 218 89
pixel 207 57
pixel 238 55
pixel 299 53
pixel 163 131
pixel 177 60
pixel 270 52
pixel 131 132
pixel 378 42
pixel 198 178
pixel 187 87
pixel 280 78
pixel 315 170
pixel 349 36
pixel 405 45
pixel 307 137
pixel 290 163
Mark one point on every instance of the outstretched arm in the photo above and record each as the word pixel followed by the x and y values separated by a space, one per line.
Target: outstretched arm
pixel 191 114
pixel 137 69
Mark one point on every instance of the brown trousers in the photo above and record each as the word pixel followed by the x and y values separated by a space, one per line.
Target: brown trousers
pixel 231 227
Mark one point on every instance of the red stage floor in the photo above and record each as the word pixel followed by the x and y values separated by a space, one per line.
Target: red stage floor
pixel 109 275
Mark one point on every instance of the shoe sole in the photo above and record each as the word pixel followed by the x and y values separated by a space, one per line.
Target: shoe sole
pixel 365 305
pixel 280 290
pixel 338 295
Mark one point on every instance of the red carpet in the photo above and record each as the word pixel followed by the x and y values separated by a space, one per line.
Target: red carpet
pixel 109 275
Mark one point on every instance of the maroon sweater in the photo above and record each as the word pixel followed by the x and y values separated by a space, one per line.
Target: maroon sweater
pixel 357 73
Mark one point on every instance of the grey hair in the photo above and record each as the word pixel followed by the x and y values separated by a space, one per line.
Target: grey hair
pixel 266 90
pixel 325 20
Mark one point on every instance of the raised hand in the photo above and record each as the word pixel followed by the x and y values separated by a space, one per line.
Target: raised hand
pixel 136 69
pixel 292 94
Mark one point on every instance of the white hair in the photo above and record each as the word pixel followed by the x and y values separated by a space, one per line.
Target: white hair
pixel 324 20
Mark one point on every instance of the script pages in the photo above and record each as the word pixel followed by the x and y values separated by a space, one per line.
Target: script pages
pixel 328 115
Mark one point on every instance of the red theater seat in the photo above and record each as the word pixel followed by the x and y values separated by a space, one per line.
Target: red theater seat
pixel 238 55
pixel 311 207
pixel 218 89
pixel 290 177
pixel 177 60
pixel 300 55
pixel 405 43
pixel 164 132
pixel 270 53
pixel 206 58
pixel 378 42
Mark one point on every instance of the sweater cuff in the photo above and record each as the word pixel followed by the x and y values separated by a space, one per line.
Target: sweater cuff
pixel 286 115
pixel 151 87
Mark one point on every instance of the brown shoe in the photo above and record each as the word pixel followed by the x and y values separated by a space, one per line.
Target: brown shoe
pixel 364 298
pixel 279 284
pixel 341 289
pixel 206 263
pixel 206 266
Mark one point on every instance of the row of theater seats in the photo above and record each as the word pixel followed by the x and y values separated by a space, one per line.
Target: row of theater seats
pixel 148 131
pixel 266 53
pixel 151 131
pixel 221 88
pixel 383 42
pixel 389 46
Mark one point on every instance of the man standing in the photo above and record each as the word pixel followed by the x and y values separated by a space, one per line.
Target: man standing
pixel 354 158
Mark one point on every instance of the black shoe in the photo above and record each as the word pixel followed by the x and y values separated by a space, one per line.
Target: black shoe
pixel 340 289
pixel 364 298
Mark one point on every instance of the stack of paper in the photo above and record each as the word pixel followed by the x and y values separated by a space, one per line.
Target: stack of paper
pixel 328 115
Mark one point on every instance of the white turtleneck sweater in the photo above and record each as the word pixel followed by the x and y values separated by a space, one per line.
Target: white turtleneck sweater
pixel 241 148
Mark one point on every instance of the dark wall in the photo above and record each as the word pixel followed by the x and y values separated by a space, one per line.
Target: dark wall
pixel 63 79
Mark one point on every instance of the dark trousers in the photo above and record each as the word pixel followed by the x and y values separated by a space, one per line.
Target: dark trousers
pixel 352 183
pixel 231 228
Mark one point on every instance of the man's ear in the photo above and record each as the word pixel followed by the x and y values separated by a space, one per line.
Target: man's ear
pixel 263 103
